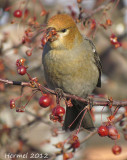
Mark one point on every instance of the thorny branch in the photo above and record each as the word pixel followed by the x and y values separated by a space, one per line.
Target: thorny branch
pixel 90 101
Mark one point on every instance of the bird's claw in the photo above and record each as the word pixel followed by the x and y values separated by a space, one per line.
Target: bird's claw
pixel 59 92
pixel 90 102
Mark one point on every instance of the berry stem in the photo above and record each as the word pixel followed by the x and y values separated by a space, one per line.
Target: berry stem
pixel 76 118
pixel 116 110
pixel 81 121
pixel 30 78
pixel 101 114
pixel 30 98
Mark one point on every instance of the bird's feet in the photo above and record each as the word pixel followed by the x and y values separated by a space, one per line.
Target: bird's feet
pixel 90 102
pixel 59 94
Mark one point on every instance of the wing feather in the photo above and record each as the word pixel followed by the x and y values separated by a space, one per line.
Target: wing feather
pixel 97 61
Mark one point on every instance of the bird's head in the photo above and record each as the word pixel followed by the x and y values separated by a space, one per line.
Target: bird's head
pixel 63 32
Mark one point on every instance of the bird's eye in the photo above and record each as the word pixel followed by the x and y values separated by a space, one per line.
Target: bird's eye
pixel 63 30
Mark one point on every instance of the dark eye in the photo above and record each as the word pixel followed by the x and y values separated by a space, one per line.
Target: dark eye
pixel 63 30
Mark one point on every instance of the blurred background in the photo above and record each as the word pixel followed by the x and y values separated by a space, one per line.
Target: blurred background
pixel 32 132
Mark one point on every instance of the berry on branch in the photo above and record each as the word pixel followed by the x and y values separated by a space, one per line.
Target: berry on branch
pixel 103 131
pixel 116 149
pixel 12 103
pixel 45 101
pixel 17 13
pixel 21 70
pixel 58 111
pixel 112 132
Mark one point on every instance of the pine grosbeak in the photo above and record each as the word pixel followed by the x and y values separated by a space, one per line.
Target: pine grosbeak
pixel 72 64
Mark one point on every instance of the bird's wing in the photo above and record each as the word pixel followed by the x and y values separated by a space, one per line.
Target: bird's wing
pixel 97 60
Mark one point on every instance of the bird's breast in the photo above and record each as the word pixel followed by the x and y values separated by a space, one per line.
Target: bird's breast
pixel 75 74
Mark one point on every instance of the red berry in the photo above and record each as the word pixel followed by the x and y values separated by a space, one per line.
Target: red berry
pixel 57 114
pixel 68 155
pixel 118 44
pixel 103 131
pixel 20 110
pixel 17 63
pixel 12 103
pixel 112 132
pixel 79 1
pixel 26 13
pixel 43 13
pixel 17 13
pixel 93 24
pixel 109 22
pixel 45 101
pixel 29 52
pixel 76 144
pixel 58 111
pixel 116 149
pixel 22 61
pixel 43 41
pixel 21 70
pixel 113 39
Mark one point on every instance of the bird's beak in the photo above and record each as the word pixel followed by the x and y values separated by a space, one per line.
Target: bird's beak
pixel 51 34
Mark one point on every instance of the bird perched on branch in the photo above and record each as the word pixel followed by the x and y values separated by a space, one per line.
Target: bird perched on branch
pixel 72 64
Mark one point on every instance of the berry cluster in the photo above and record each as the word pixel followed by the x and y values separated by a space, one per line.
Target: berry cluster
pixel 21 69
pixel 57 114
pixel 74 141
pixel 109 131
pixel 13 105
pixel 27 36
pixel 112 133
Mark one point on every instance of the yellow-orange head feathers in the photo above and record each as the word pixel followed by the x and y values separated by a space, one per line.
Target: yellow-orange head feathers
pixel 61 21
pixel 67 31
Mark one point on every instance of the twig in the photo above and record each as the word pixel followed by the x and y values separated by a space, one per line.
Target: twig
pixel 89 136
pixel 98 9
pixel 21 44
pixel 39 118
pixel 86 101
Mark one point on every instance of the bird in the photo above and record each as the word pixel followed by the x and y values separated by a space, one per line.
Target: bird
pixel 71 64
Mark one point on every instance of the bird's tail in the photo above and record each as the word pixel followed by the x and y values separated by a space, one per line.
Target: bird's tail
pixel 76 115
